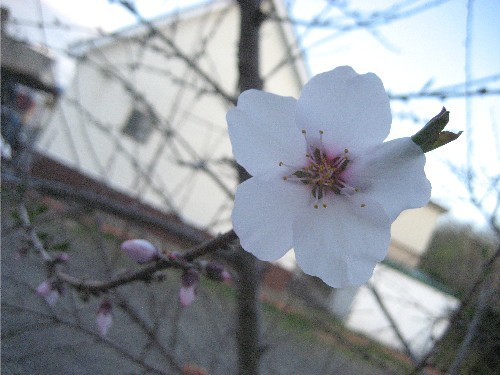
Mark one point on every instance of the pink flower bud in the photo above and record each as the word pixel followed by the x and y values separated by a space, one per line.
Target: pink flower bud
pixel 190 369
pixel 217 272
pixel 104 317
pixel 141 251
pixel 173 256
pixel 63 257
pixel 189 286
pixel 50 290
pixel 21 254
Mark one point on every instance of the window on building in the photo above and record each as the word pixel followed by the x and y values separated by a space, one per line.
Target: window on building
pixel 138 126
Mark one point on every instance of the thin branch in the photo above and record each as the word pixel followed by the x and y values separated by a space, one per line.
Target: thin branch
pixel 376 19
pixel 178 52
pixel 93 286
pixel 392 322
pixel 89 333
pixel 441 94
pixel 97 201
pixel 485 296
pixel 485 271
pixel 33 236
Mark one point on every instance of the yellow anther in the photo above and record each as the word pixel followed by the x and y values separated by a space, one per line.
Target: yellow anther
pixel 324 205
pixel 321 132
pixel 315 206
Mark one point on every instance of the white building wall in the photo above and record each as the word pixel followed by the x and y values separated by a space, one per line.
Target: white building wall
pixel 420 311
pixel 90 137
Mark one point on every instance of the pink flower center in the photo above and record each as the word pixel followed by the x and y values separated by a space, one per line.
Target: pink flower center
pixel 323 173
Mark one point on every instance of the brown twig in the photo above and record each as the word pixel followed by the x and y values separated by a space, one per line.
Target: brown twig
pixel 183 261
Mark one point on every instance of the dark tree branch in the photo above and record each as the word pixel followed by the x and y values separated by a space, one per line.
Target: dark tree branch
pixel 183 262
pixel 246 265
pixel 96 201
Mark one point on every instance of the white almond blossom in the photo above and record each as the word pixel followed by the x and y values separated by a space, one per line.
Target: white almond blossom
pixel 324 181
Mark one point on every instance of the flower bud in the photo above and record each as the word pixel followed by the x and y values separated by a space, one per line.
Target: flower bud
pixel 50 290
pixel 141 251
pixel 189 287
pixel 217 272
pixel 62 258
pixel 21 254
pixel 190 369
pixel 104 317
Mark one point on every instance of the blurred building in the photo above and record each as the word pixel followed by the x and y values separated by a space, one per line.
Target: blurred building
pixel 139 118
pixel 411 234
pixel 28 88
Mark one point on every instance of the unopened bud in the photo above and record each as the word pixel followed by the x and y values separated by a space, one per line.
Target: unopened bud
pixel 174 256
pixel 141 251
pixel 62 257
pixel 21 254
pixel 190 369
pixel 104 317
pixel 432 135
pixel 50 290
pixel 189 287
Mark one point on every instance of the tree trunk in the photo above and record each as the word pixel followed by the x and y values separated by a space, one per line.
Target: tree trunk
pixel 247 266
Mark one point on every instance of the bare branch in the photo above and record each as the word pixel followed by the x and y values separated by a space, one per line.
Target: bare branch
pixel 392 322
pixel 485 296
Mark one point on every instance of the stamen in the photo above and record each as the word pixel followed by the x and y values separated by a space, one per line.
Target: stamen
pixel 363 205
pixel 323 174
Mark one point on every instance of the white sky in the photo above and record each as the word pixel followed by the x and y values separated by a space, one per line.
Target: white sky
pixel 429 46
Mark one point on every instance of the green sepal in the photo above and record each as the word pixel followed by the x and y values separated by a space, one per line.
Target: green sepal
pixel 432 136
pixel 444 137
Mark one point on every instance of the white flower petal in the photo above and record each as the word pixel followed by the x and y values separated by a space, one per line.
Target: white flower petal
pixel 263 214
pixel 342 243
pixel 353 110
pixel 393 175
pixel 263 132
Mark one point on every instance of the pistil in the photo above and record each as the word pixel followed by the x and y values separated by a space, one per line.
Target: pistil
pixel 323 173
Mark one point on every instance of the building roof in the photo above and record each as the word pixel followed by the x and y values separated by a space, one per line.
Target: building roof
pixel 81 48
